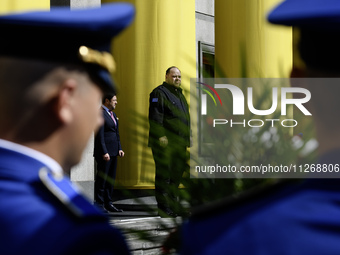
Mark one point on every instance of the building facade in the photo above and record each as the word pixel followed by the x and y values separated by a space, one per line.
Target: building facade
pixel 204 38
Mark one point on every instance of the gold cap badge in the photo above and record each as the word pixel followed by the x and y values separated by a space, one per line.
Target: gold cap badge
pixel 104 59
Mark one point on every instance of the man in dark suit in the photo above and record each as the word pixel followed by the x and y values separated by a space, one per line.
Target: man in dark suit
pixel 106 149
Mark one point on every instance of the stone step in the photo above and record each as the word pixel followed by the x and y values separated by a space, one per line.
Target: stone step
pixel 146 235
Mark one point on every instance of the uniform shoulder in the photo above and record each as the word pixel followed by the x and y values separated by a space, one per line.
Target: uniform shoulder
pixel 62 188
pixel 158 89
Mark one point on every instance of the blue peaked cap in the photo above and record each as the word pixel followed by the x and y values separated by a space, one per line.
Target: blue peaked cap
pixel 68 36
pixel 319 14
pixel 319 30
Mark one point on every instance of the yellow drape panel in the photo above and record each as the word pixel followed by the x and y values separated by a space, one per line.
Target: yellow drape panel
pixel 246 44
pixel 162 35
pixel 22 5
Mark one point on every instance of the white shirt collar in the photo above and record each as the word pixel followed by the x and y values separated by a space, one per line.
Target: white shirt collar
pixel 106 109
pixel 43 158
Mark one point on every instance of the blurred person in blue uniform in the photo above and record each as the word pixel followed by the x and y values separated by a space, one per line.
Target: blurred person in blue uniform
pixel 288 218
pixel 169 137
pixel 107 147
pixel 54 68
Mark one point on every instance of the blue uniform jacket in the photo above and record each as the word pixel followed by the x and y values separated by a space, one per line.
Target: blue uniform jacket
pixel 291 219
pixel 107 139
pixel 44 214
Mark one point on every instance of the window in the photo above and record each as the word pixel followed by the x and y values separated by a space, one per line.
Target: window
pixel 206 69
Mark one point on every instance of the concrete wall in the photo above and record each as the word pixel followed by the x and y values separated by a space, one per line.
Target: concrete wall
pixel 205 23
pixel 83 173
pixel 80 4
pixel 205 26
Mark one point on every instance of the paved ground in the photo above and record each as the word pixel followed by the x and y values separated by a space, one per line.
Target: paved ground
pixel 144 232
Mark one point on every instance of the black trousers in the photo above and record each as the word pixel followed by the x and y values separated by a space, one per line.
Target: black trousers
pixel 171 163
pixel 105 177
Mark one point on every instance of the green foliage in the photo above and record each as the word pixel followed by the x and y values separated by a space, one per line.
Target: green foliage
pixel 272 144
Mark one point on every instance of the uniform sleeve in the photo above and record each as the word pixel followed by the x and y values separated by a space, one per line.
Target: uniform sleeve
pixel 101 141
pixel 118 136
pixel 156 115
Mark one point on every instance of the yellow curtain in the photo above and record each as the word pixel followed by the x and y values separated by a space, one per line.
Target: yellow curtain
pixel 246 44
pixel 7 6
pixel 162 35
